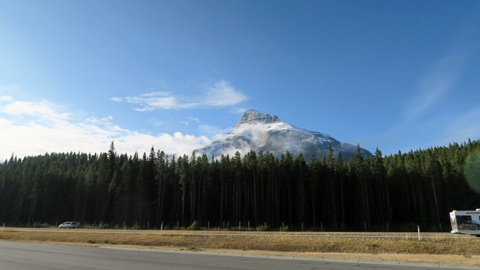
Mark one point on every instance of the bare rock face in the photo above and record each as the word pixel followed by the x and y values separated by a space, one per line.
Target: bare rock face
pixel 251 116
pixel 260 131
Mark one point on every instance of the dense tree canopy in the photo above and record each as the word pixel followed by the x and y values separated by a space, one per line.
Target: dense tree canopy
pixel 378 192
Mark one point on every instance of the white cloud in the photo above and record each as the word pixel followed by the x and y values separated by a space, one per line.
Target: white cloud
pixel 50 131
pixel 221 94
pixel 116 99
pixel 41 109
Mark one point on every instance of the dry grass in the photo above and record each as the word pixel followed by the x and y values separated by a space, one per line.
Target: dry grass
pixel 464 250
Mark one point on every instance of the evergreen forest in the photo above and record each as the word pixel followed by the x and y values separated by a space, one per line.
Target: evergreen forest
pixel 375 193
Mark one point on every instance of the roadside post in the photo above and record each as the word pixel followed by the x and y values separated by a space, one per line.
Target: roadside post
pixel 418 228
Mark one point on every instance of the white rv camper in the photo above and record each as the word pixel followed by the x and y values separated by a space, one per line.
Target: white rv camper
pixel 466 222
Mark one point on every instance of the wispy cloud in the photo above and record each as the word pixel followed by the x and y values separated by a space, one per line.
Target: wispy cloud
pixel 426 120
pixel 214 132
pixel 48 130
pixel 116 99
pixel 220 94
pixel 435 84
pixel 461 127
pixel 239 110
pixel 6 98
pixel 9 88
pixel 447 71
pixel 156 122
pixel 154 101
pixel 193 119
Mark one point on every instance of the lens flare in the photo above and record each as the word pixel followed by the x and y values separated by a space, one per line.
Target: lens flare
pixel 472 170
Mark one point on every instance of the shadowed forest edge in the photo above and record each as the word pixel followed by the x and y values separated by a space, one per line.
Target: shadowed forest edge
pixel 257 191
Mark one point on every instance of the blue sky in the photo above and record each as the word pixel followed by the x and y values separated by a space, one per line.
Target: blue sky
pixel 76 75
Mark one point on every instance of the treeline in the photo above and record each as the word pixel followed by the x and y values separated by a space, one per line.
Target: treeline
pixel 396 192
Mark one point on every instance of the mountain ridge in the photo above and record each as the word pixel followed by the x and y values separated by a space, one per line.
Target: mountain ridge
pixel 260 131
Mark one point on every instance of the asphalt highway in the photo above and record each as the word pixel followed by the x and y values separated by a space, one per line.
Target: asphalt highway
pixel 38 256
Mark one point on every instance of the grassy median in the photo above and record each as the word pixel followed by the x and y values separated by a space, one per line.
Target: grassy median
pixel 465 250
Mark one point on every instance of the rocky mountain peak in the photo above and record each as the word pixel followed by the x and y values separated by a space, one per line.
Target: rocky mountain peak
pixel 252 116
pixel 262 132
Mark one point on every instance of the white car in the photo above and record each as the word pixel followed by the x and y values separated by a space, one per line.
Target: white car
pixel 68 225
